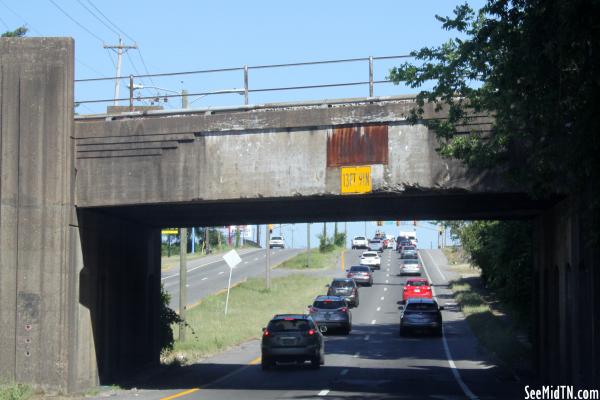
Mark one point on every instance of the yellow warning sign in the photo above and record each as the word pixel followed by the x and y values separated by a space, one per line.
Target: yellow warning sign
pixel 170 231
pixel 356 180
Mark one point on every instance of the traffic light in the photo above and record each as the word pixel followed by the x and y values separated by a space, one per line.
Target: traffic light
pixel 415 222
pixel 270 228
pixel 379 223
pixel 397 223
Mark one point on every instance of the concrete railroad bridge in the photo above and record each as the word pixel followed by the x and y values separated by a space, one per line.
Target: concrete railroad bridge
pixel 82 201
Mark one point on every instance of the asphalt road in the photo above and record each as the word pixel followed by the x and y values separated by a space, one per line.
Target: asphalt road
pixel 210 274
pixel 373 362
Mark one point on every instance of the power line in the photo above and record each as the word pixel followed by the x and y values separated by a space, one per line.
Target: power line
pixel 97 17
pixel 110 22
pixel 75 21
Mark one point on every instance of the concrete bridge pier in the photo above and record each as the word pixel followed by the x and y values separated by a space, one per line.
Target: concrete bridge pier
pixel 567 303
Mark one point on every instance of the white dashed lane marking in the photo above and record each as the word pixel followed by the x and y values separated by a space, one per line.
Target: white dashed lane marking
pixel 344 371
pixel 367 337
pixel 373 322
pixel 221 273
pixel 382 298
pixel 384 289
pixel 378 308
pixel 205 278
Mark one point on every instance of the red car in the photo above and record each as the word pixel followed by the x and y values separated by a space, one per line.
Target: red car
pixel 417 287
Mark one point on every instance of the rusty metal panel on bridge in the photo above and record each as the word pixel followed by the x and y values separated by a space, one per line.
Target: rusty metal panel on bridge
pixel 357 145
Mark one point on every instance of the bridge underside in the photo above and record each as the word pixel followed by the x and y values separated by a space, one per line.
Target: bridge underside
pixel 377 206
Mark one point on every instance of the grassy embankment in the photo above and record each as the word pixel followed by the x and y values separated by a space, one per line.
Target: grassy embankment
pixel 15 391
pixel 318 260
pixel 489 321
pixel 251 307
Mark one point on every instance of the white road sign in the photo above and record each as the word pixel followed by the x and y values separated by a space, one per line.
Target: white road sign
pixel 232 258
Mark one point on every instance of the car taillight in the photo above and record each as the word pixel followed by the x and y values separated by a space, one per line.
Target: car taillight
pixel 312 309
pixel 266 333
pixel 349 276
pixel 344 309
pixel 311 332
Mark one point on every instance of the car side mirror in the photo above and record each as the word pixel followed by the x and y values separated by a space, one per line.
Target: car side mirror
pixel 322 328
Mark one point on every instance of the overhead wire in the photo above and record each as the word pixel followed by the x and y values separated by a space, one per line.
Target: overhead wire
pixel 75 21
pixel 98 18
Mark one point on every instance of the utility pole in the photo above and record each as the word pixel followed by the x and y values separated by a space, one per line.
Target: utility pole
pixel 258 235
pixel 206 241
pixel 119 47
pixel 307 244
pixel 267 261
pixel 182 281
pixel 184 99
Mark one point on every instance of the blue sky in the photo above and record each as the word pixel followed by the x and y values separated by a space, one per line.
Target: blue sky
pixel 189 35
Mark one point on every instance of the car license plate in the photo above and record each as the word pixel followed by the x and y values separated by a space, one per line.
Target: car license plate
pixel 417 290
pixel 288 340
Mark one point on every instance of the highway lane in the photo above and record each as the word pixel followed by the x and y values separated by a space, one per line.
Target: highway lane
pixel 210 274
pixel 373 362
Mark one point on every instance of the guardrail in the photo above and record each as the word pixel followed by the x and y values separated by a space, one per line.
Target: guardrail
pixel 246 90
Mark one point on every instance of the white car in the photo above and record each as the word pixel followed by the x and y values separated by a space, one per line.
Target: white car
pixel 360 242
pixel 410 267
pixel 276 241
pixel 371 258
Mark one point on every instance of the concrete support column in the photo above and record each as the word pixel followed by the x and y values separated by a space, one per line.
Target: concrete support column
pixel 39 316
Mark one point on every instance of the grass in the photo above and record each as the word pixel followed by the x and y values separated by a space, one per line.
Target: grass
pixel 251 307
pixel 15 391
pixel 318 260
pixel 493 332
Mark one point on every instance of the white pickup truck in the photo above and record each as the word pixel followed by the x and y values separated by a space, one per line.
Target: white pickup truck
pixel 360 242
pixel 276 241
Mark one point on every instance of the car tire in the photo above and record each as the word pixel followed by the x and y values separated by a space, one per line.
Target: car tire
pixel 347 330
pixel 402 331
pixel 315 362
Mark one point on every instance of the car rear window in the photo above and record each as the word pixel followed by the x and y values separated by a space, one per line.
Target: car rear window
pixel 341 284
pixel 276 238
pixel 409 248
pixel 359 269
pixel 359 238
pixel 419 307
pixel 411 261
pixel 289 324
pixel 369 255
pixel 329 304
pixel 416 283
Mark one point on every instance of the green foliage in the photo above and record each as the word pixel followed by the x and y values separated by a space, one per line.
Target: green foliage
pixel 168 318
pixel 326 244
pixel 534 66
pixel 339 239
pixel 19 32
pixel 15 391
pixel 503 252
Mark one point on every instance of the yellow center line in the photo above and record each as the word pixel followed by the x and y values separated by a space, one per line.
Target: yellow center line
pixel 255 361
pixel 181 394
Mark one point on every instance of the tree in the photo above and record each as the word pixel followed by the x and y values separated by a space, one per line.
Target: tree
pixel 19 32
pixel 533 65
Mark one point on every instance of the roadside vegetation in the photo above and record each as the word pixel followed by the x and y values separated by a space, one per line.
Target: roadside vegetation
pixel 15 391
pixel 251 306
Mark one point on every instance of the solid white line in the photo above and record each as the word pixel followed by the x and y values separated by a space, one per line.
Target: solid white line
pixel 221 273
pixel 323 392
pixel 378 308
pixel 256 259
pixel 205 278
pixel 373 322
pixel 344 371
pixel 453 367
pixel 436 267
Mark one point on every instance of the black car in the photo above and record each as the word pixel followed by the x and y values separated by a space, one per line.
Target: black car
pixel 420 314
pixel 292 338
pixel 345 288
pixel 332 312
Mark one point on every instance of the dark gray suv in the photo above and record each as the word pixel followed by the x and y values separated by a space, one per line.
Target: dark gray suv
pixel 345 288
pixel 292 338
pixel 421 314
pixel 332 312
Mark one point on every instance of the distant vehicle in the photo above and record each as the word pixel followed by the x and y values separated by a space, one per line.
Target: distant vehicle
pixel 292 337
pixel 332 312
pixel 421 314
pixel 376 245
pixel 391 242
pixel 276 241
pixel 361 274
pixel 416 288
pixel 410 267
pixel 345 288
pixel 401 242
pixel 409 252
pixel 371 258
pixel 360 242
pixel 411 236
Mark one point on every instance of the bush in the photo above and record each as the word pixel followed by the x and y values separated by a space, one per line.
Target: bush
pixel 339 239
pixel 326 244
pixel 167 317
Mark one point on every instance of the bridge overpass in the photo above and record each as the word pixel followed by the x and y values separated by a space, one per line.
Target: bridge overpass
pixel 82 201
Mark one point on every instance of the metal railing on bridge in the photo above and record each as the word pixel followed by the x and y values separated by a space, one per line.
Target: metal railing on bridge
pixel 245 71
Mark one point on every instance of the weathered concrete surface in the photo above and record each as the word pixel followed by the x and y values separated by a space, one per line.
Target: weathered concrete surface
pixel 43 338
pixel 567 303
pixel 256 154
